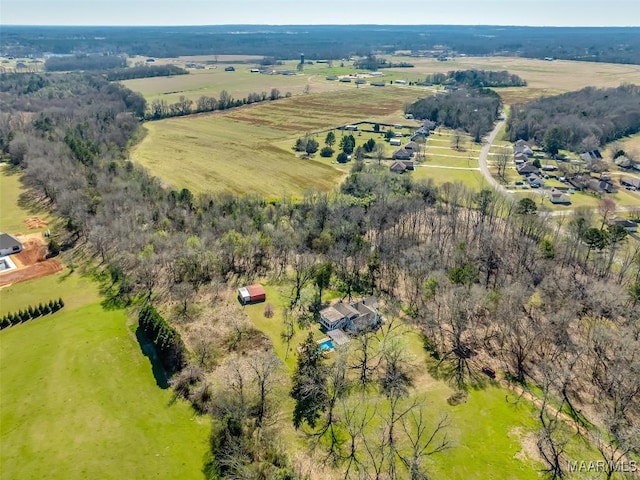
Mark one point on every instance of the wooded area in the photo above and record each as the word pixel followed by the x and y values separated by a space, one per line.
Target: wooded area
pixel 476 78
pixel 578 121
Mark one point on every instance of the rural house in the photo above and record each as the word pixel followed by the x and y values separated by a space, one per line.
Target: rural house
pixel 630 183
pixel 353 316
pixel 412 146
pixel 402 154
pixel 229 69
pixel 559 198
pixel 591 156
pixel 528 169
pixel 628 225
pixel 251 294
pixel 398 167
pixel 9 245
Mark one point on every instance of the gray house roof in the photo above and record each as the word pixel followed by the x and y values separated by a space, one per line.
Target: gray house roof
pixel 8 241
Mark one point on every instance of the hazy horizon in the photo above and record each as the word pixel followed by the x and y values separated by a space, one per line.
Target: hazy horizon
pixel 534 13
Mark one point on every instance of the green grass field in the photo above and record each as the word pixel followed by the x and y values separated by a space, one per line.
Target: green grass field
pixel 248 150
pixel 472 179
pixel 79 399
pixel 13 210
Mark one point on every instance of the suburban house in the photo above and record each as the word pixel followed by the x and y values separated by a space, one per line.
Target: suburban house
pixel 528 169
pixel 251 294
pixel 601 186
pixel 402 154
pixel 591 156
pixel 535 181
pixel 524 150
pixel 9 245
pixel 559 198
pixel 520 158
pixel 398 167
pixel 628 225
pixel 630 183
pixel 353 316
pixel 412 146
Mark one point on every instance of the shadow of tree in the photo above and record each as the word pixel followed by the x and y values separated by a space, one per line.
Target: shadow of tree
pixel 149 351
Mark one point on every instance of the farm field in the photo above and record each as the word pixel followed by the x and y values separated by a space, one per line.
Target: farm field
pixel 80 400
pixel 543 77
pixel 248 150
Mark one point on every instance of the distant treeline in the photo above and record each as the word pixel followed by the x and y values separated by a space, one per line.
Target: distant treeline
pixel 165 338
pixel 145 71
pixel 472 110
pixel 616 45
pixel 160 109
pixel 476 78
pixel 578 121
pixel 84 62
pixel 371 62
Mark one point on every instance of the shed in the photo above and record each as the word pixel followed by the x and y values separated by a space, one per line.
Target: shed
pixel 252 294
pixel 395 142
pixel 9 245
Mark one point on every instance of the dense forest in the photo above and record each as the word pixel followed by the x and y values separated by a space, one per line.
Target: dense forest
pixel 578 121
pixel 84 62
pixel 471 110
pixel 616 45
pixel 145 71
pixel 477 275
pixel 476 79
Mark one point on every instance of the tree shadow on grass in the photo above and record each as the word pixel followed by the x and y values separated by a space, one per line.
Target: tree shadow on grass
pixel 149 351
pixel 459 374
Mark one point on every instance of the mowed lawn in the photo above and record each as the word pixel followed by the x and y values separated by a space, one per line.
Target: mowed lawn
pixel 12 214
pixel 79 399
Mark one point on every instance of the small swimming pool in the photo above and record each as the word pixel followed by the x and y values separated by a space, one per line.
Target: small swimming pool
pixel 326 345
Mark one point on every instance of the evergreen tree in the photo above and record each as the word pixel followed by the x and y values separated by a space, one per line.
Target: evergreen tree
pixel 309 384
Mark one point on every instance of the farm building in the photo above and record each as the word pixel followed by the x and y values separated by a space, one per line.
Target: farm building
pixel 9 245
pixel 252 294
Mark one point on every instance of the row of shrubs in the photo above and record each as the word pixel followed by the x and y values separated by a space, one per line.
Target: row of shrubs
pixel 30 313
pixel 165 338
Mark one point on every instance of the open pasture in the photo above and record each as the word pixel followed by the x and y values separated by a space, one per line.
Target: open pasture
pixel 248 150
pixel 543 77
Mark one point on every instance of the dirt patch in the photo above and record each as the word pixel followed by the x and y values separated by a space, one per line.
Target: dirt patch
pixel 529 444
pixel 34 223
pixel 31 262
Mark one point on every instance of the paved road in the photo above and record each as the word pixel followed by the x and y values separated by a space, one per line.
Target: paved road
pixel 484 168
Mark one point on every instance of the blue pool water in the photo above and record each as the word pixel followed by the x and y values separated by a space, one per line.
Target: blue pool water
pixel 326 345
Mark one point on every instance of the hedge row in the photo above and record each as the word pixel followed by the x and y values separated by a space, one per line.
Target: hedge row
pixel 30 313
pixel 165 338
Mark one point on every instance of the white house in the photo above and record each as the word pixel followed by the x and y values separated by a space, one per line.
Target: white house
pixel 9 245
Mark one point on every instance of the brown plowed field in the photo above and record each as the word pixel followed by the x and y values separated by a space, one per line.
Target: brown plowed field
pixel 31 262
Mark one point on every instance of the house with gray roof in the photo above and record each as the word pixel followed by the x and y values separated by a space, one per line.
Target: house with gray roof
pixel 353 316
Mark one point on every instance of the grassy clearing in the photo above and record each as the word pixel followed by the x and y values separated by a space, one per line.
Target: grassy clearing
pixel 79 398
pixel 13 207
pixel 473 179
pixel 248 150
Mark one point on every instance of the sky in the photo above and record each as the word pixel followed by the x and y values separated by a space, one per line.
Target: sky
pixel 311 12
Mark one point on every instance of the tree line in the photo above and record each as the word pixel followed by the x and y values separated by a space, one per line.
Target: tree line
pixel 471 110
pixel 30 313
pixel 144 71
pixel 577 121
pixel 614 45
pixel 476 78
pixel 165 339
pixel 84 62
pixel 477 275
pixel 159 109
